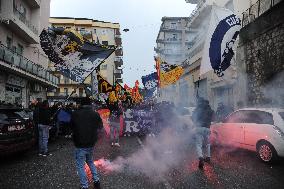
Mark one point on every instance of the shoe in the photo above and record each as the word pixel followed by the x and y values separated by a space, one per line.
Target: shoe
pixel 40 154
pixel 201 163
pixel 117 144
pixel 97 185
pixel 207 160
pixel 112 144
pixel 46 154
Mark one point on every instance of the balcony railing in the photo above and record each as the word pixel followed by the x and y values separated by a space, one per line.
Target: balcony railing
pixel 18 61
pixel 256 10
pixel 24 20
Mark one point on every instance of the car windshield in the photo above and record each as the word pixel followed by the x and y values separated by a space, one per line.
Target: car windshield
pixel 12 114
pixel 282 115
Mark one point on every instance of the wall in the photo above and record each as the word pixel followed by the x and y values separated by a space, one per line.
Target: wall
pixel 261 48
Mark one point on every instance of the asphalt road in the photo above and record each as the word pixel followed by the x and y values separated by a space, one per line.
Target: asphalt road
pixel 229 169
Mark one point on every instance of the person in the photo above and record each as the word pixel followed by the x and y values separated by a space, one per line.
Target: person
pixel 202 117
pixel 115 113
pixel 43 120
pixel 222 112
pixel 85 124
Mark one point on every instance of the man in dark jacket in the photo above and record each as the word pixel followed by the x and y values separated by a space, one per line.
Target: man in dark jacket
pixel 201 117
pixel 43 119
pixel 85 124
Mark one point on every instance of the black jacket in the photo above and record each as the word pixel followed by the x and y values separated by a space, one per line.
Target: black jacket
pixel 85 124
pixel 115 113
pixel 44 116
pixel 202 115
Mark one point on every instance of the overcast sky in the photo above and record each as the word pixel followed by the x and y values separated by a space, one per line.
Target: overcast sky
pixel 141 17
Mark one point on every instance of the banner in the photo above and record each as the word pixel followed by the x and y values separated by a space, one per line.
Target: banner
pixel 75 57
pixel 150 81
pixel 169 74
pixel 103 85
pixel 222 33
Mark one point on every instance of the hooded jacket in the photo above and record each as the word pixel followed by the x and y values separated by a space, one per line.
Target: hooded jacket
pixel 202 115
pixel 85 124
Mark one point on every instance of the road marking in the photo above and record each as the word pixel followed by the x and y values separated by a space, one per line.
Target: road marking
pixel 165 182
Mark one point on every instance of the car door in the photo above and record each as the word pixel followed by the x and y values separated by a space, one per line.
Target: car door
pixel 231 130
pixel 258 125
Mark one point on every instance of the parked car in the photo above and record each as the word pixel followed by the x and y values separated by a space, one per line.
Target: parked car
pixel 16 130
pixel 257 129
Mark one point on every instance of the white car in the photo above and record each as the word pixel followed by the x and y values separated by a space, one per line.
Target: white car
pixel 256 129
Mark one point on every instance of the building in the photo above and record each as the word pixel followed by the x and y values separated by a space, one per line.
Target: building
pixel 173 40
pixel 105 33
pixel 209 86
pixel 24 74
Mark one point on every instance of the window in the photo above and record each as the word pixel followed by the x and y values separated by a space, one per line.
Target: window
pixel 175 36
pixel 20 49
pixel 250 116
pixel 259 117
pixel 173 25
pixel 66 80
pixel 66 91
pixel 105 42
pixel 80 92
pixel 9 42
pixel 104 67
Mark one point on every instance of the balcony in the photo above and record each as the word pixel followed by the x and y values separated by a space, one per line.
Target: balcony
pixel 169 40
pixel 22 27
pixel 34 3
pixel 118 61
pixel 119 52
pixel 257 9
pixel 118 71
pixel 171 29
pixel 16 63
pixel 118 41
pixel 119 80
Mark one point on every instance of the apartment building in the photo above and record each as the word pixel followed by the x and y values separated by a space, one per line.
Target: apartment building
pixel 24 74
pixel 208 85
pixel 105 33
pixel 173 40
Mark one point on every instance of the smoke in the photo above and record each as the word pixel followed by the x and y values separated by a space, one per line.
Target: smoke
pixel 159 155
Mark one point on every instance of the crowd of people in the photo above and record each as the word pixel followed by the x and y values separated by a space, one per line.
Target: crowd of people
pixel 82 123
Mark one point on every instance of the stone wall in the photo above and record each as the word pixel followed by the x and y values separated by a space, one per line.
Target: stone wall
pixel 262 42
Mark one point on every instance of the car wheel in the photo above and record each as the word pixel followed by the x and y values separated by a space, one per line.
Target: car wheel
pixel 266 152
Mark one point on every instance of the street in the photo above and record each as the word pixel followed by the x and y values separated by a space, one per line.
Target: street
pixel 229 169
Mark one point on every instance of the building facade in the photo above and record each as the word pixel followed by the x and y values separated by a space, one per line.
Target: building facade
pixel 101 32
pixel 209 86
pixel 173 40
pixel 24 74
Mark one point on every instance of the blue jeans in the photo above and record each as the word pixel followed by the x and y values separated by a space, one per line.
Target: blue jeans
pixel 43 135
pixel 85 155
pixel 202 140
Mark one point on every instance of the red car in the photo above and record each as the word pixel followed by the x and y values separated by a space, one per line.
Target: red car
pixel 16 130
